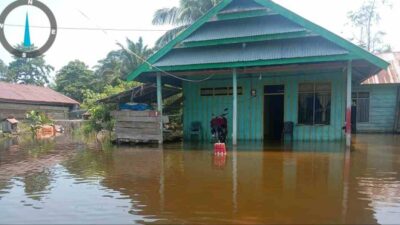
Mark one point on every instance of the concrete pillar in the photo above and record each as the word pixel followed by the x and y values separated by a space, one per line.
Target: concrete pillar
pixel 348 103
pixel 234 179
pixel 159 104
pixel 234 113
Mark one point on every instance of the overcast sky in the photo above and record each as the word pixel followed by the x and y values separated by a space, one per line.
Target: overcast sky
pixel 91 46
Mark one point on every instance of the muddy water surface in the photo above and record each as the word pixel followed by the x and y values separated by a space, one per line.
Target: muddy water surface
pixel 72 181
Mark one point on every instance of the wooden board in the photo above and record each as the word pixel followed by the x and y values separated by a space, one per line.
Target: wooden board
pixel 131 131
pixel 137 126
pixel 127 113
pixel 140 137
pixel 137 119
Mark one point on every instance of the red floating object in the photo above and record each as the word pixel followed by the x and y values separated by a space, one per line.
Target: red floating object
pixel 219 149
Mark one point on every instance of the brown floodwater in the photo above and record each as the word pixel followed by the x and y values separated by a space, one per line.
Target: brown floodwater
pixel 69 180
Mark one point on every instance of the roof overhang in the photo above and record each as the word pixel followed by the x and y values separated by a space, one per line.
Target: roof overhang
pixel 360 69
pixel 12 101
pixel 142 94
pixel 368 64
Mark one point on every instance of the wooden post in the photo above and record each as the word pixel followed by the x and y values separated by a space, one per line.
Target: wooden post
pixel 348 104
pixel 159 104
pixel 234 122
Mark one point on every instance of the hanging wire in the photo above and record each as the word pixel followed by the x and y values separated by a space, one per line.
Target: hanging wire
pixel 139 57
pixel 90 28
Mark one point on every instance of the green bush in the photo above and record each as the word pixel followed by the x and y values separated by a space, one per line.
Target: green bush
pixel 100 114
pixel 37 119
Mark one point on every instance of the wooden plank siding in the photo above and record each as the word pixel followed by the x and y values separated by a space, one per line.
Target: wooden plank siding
pixel 19 110
pixel 251 109
pixel 397 128
pixel 137 126
pixel 383 103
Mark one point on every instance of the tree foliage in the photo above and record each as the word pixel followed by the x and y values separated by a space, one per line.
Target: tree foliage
pixel 118 64
pixel 108 70
pixel 366 20
pixel 73 79
pixel 28 70
pixel 79 82
pixel 183 16
pixel 100 114
pixel 3 70
pixel 37 119
pixel 130 61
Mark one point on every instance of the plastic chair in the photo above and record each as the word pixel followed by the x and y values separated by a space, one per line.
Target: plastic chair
pixel 288 130
pixel 196 129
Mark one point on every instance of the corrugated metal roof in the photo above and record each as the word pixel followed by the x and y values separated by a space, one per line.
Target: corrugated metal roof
pixel 241 5
pixel 244 28
pixel 392 74
pixel 269 50
pixel 141 94
pixel 32 94
pixel 12 120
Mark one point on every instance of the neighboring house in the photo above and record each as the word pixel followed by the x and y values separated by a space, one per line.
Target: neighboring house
pixel 17 99
pixel 268 66
pixel 9 125
pixel 376 103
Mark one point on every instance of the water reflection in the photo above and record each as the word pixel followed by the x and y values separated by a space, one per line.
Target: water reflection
pixel 67 181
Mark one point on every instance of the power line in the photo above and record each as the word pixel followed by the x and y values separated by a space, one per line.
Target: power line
pixel 91 28
pixel 141 58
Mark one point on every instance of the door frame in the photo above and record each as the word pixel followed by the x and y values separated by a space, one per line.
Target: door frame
pixel 263 102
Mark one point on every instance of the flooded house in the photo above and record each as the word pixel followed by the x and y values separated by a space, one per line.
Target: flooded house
pixel 267 65
pixel 9 125
pixel 376 102
pixel 17 99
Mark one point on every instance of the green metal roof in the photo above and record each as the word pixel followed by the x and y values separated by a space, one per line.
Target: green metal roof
pixel 225 51
pixel 269 50
pixel 241 5
pixel 249 27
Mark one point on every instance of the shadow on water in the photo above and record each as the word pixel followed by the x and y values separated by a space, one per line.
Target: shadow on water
pixel 75 180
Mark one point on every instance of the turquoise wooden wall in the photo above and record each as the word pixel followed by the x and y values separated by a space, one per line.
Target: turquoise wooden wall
pixel 382 111
pixel 250 109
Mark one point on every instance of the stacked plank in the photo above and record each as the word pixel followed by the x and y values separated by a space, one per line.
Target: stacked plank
pixel 137 126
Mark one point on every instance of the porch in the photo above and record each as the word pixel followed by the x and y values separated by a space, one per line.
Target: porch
pixel 249 95
pixel 241 51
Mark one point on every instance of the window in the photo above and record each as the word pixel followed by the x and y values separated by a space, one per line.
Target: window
pixel 219 91
pixel 314 104
pixel 361 102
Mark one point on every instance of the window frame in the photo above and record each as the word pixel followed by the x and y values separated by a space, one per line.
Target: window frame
pixel 356 97
pixel 314 92
pixel 229 91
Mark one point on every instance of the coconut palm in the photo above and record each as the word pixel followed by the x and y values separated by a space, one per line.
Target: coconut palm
pixel 119 63
pixel 108 70
pixel 181 17
pixel 132 55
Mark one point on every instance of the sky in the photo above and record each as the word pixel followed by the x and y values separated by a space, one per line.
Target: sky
pixel 91 46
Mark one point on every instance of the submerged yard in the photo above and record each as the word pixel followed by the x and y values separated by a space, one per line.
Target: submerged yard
pixel 66 180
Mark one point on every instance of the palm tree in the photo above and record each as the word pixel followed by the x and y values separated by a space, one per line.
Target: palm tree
pixel 181 17
pixel 133 55
pixel 108 70
pixel 119 63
